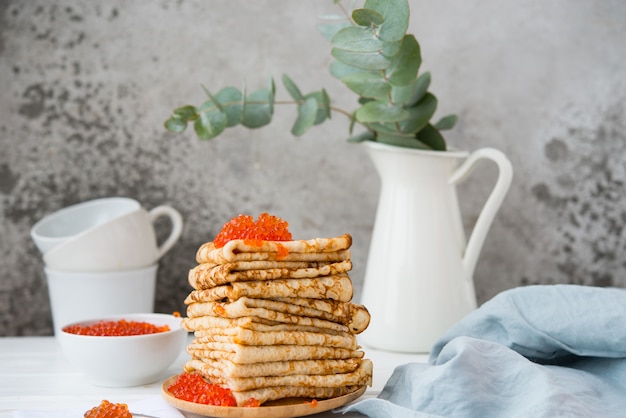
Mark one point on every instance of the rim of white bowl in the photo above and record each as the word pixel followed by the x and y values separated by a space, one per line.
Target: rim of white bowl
pixel 131 317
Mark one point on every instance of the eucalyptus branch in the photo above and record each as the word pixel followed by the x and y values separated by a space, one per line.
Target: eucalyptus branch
pixel 375 58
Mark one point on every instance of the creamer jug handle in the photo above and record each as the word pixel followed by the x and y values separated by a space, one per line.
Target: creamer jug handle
pixel 483 223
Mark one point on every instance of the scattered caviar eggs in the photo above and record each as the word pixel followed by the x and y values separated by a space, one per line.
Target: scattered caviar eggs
pixel 266 228
pixel 119 328
pixel 192 387
pixel 108 409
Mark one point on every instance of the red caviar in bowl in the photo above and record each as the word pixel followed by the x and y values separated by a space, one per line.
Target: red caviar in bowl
pixel 193 388
pixel 119 328
pixel 266 228
pixel 108 409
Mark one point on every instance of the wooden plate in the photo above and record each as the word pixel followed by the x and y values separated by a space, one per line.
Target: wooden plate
pixel 285 408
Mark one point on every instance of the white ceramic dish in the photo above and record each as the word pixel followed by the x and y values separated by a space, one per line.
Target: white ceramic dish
pixel 129 360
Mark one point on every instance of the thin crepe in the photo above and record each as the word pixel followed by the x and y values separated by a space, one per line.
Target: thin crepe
pixel 246 354
pixel 360 377
pixel 280 392
pixel 207 275
pixel 225 368
pixel 200 322
pixel 205 325
pixel 250 337
pixel 338 287
pixel 356 317
pixel 317 249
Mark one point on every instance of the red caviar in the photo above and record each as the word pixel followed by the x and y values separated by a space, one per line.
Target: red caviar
pixel 108 409
pixel 266 228
pixel 193 388
pixel 118 328
pixel 252 403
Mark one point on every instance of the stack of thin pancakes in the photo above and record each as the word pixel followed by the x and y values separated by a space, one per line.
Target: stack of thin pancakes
pixel 274 320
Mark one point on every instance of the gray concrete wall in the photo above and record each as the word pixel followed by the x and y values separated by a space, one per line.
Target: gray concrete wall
pixel 85 87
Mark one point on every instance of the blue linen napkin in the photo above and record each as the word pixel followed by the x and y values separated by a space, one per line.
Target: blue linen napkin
pixel 535 351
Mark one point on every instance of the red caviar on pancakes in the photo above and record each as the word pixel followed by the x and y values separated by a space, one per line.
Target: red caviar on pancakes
pixel 119 328
pixel 266 228
pixel 108 409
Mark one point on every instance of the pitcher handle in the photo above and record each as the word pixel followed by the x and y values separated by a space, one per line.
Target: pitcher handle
pixel 177 226
pixel 483 223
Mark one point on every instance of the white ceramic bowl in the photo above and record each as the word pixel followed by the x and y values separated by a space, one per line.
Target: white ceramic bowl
pixel 129 360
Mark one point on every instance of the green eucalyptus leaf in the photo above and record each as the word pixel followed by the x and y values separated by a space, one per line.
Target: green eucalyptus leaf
pixel 402 94
pixel 432 137
pixel 389 127
pixel 292 89
pixel 328 30
pixel 419 89
pixel 210 124
pixel 185 113
pixel 367 84
pixel 207 106
pixel 367 17
pixel 307 112
pixel 391 48
pixel 272 89
pixel 326 103
pixel 357 39
pixel 322 102
pixel 258 109
pixel 419 115
pixel 370 61
pixel 212 99
pixel 447 122
pixel 230 100
pixel 339 70
pixel 396 15
pixel 380 112
pixel 405 64
pixel 352 123
pixel 401 141
pixel 363 136
pixel 175 125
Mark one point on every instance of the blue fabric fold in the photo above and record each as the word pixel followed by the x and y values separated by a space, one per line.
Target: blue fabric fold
pixel 535 351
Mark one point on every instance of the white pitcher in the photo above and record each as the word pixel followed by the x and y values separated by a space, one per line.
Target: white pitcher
pixel 419 275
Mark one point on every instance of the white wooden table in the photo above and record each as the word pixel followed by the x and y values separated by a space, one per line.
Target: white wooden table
pixel 34 374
